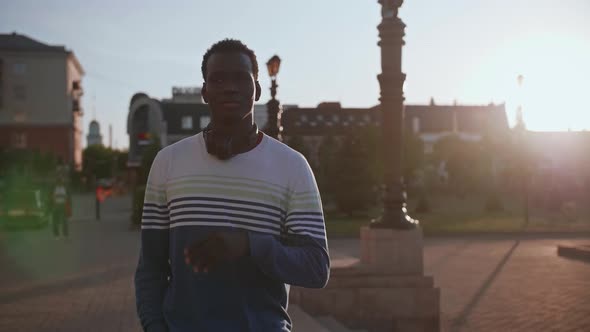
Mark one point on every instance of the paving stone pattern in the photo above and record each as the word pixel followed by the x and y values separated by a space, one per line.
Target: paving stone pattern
pixel 85 283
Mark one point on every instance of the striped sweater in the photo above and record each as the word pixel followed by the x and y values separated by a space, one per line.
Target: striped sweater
pixel 271 193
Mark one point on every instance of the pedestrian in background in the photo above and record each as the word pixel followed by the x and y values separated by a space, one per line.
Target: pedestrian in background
pixel 61 209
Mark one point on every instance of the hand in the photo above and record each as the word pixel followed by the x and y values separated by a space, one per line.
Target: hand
pixel 218 248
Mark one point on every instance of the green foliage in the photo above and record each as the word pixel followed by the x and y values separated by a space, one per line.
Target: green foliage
pixel 413 156
pixel 493 202
pixel 352 182
pixel 97 162
pixel 468 164
pixel 423 205
pixel 100 162
pixel 138 198
pixel 27 162
pixel 147 159
pixel 297 143
pixel 327 164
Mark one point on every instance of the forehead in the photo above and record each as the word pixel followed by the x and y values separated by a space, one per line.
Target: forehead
pixel 228 62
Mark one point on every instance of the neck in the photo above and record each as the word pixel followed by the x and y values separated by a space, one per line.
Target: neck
pixel 238 128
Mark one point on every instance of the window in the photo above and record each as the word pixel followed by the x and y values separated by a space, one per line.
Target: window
pixel 204 121
pixel 19 140
pixel 303 118
pixel 19 68
pixel 187 122
pixel 20 93
pixel 320 117
pixel 335 117
pixel 416 125
pixel 76 105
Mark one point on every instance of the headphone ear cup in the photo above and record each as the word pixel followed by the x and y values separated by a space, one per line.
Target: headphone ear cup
pixel 217 146
pixel 209 138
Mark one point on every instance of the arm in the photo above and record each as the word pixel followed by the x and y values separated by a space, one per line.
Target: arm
pixel 153 269
pixel 300 257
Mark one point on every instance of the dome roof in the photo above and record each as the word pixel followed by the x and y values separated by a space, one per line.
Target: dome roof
pixel 94 127
pixel 137 96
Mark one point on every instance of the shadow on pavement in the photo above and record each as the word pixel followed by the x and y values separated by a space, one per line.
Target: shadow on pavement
pixel 458 322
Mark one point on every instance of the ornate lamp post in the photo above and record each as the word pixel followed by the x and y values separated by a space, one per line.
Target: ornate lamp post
pixel 391 81
pixel 273 127
pixel 521 132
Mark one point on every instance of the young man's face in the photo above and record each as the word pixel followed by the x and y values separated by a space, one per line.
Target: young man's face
pixel 230 88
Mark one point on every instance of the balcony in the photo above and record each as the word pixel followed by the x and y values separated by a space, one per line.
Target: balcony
pixel 77 88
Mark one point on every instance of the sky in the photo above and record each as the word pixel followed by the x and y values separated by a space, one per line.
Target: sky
pixel 466 51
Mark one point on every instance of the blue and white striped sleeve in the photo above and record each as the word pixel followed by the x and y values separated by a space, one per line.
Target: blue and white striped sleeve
pixel 153 269
pixel 301 257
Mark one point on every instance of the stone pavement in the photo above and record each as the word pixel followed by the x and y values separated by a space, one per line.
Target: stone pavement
pixel 85 283
pixel 504 284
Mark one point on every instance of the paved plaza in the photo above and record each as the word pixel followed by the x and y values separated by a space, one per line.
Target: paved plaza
pixel 488 283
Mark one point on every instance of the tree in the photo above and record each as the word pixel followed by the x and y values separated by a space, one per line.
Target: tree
pixel 466 162
pixel 298 144
pixel 147 158
pixel 352 182
pixel 413 156
pixel 97 163
pixel 327 164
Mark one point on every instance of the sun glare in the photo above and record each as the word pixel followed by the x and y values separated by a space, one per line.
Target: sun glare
pixel 553 94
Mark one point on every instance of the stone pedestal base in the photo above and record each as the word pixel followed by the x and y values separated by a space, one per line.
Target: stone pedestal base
pixel 384 291
pixel 392 251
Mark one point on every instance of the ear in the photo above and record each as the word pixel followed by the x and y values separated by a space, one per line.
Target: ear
pixel 258 91
pixel 204 93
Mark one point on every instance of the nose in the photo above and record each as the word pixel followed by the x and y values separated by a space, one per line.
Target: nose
pixel 230 87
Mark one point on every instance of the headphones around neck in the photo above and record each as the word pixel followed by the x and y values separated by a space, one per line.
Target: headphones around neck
pixel 226 146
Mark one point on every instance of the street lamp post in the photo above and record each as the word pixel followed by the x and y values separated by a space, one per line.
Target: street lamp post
pixel 524 157
pixel 391 81
pixel 273 127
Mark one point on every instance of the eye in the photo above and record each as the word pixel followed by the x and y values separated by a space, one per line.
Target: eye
pixel 216 79
pixel 243 78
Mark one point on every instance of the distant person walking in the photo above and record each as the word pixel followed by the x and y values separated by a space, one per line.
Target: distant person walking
pixel 61 209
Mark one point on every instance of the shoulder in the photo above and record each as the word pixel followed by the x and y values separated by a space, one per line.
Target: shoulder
pixel 280 149
pixel 292 159
pixel 182 146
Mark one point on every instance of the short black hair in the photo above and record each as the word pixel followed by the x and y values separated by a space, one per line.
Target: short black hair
pixel 229 45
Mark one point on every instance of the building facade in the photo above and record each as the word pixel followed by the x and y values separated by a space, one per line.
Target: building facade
pixel 170 119
pixel 429 122
pixel 40 98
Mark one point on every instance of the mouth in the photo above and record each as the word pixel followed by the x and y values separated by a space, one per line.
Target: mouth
pixel 230 104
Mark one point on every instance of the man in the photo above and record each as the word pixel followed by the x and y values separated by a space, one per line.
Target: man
pixel 231 217
pixel 61 209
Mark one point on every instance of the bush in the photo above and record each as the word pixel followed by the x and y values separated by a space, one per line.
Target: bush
pixel 138 197
pixel 423 205
pixel 569 210
pixel 493 203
